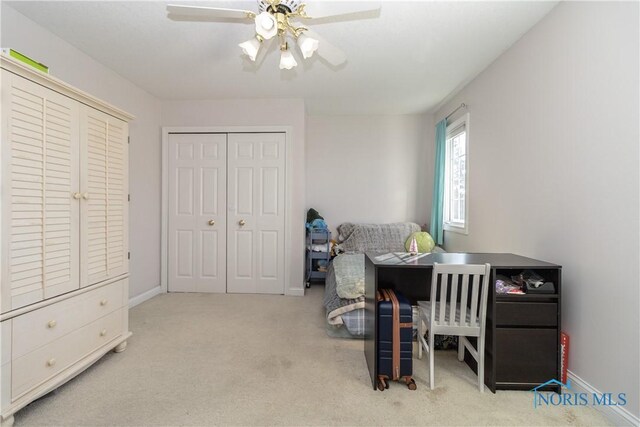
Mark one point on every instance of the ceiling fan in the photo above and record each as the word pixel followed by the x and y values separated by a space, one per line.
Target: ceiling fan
pixel 276 19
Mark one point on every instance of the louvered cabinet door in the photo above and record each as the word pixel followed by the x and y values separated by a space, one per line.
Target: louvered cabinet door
pixel 104 184
pixel 40 176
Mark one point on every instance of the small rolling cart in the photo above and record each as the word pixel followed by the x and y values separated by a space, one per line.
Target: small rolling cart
pixel 318 249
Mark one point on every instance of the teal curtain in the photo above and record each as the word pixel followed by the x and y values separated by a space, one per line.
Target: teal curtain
pixel 437 204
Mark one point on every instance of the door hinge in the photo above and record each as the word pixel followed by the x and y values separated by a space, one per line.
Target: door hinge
pixel 128 140
pixel 128 255
pixel 128 197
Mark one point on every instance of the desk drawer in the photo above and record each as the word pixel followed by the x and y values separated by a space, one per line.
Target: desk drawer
pixel 526 355
pixel 36 367
pixel 42 326
pixel 526 313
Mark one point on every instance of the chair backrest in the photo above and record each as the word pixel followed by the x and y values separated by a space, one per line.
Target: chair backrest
pixel 471 283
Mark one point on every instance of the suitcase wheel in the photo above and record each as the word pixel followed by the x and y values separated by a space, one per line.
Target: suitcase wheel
pixel 411 384
pixel 382 384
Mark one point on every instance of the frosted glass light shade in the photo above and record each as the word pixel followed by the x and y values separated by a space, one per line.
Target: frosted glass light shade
pixel 287 61
pixel 266 25
pixel 251 48
pixel 307 45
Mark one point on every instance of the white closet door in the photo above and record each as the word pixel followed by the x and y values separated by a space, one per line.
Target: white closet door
pixel 197 208
pixel 256 163
pixel 40 167
pixel 104 191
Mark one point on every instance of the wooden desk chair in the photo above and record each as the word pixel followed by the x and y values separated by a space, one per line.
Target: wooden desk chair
pixel 450 315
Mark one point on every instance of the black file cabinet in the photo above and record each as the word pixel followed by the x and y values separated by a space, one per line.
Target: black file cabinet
pixel 524 348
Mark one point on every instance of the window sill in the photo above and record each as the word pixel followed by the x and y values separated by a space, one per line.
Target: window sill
pixel 455 229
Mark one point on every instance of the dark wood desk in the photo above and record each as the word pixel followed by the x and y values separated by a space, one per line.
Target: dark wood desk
pixel 523 331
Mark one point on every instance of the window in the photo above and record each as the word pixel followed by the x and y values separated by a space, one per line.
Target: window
pixel 455 182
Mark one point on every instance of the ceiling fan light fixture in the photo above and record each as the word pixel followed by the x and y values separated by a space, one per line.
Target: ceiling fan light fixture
pixel 307 45
pixel 266 25
pixel 251 47
pixel 287 61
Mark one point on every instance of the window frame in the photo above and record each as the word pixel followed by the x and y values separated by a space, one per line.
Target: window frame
pixel 447 224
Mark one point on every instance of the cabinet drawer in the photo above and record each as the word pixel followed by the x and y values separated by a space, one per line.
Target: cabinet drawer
pixel 528 356
pixel 42 326
pixel 36 367
pixel 526 314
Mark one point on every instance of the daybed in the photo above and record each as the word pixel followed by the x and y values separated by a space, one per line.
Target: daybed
pixel 344 283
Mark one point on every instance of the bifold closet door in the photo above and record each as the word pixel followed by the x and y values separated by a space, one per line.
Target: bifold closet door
pixel 197 212
pixel 40 176
pixel 255 214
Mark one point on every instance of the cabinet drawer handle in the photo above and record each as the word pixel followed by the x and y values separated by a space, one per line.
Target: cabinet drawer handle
pixel 51 324
pixel 103 302
pixel 103 332
pixel 51 362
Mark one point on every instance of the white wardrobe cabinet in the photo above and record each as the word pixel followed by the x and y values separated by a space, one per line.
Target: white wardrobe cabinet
pixel 64 235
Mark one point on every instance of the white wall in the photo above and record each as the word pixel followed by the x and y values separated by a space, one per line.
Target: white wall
pixel 78 69
pixel 553 158
pixel 375 169
pixel 258 112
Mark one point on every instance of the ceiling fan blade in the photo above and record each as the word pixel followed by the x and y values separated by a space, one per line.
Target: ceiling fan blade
pixel 320 12
pixel 332 54
pixel 199 13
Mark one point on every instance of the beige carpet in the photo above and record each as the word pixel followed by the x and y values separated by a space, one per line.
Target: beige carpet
pixel 197 359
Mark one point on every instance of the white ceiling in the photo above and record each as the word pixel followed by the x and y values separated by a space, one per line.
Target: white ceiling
pixel 407 60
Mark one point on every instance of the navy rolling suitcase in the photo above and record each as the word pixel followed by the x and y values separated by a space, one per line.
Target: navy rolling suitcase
pixel 395 346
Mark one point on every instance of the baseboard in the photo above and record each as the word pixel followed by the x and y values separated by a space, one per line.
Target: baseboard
pixel 295 292
pixel 618 415
pixel 144 296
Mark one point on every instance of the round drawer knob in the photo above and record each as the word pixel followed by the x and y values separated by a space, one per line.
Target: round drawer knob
pixel 103 332
pixel 51 362
pixel 103 302
pixel 51 324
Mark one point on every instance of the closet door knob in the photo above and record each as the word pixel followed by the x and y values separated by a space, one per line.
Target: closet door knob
pixel 85 196
pixel 212 222
pixel 51 324
pixel 51 362
pixel 103 302
pixel 103 332
pixel 77 196
pixel 242 222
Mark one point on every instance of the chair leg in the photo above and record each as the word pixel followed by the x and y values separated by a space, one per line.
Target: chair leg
pixel 431 364
pixel 420 335
pixel 481 364
pixel 460 349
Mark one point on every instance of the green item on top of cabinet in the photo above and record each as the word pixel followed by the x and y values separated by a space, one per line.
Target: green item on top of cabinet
pixel 24 58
